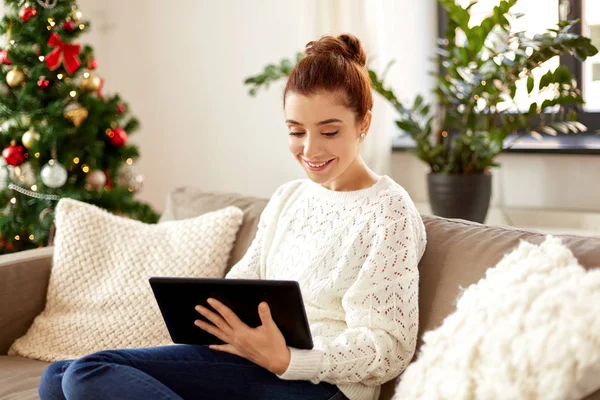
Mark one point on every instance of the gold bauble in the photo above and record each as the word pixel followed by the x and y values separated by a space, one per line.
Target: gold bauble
pixel 76 113
pixel 30 138
pixel 95 179
pixel 15 77
pixel 91 83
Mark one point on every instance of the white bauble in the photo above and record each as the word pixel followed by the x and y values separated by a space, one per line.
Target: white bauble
pixel 128 176
pixel 24 174
pixel 54 174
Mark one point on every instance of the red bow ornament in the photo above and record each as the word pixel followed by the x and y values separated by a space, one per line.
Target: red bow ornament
pixel 66 52
pixel 99 91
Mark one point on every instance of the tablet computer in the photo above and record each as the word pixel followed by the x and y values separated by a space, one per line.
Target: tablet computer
pixel 178 297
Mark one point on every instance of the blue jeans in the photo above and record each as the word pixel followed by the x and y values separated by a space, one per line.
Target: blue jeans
pixel 172 372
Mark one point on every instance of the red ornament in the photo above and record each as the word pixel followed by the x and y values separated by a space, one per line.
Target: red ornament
pixel 69 26
pixel 92 64
pixel 68 53
pixel 43 83
pixel 14 155
pixel 26 13
pixel 4 57
pixel 120 108
pixel 118 137
pixel 99 91
pixel 108 183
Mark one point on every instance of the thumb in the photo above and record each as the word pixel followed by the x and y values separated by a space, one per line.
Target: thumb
pixel 265 314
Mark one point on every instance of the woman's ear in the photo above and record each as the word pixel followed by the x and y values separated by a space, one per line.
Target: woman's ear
pixel 366 122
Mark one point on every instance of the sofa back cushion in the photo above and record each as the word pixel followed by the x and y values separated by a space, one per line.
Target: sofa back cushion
pixel 186 202
pixel 458 252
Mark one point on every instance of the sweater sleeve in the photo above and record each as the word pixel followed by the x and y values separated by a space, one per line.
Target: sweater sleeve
pixel 249 266
pixel 381 312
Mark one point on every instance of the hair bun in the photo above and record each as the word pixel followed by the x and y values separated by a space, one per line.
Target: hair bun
pixel 346 45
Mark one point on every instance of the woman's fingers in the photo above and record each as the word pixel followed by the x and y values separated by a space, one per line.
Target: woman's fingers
pixel 213 330
pixel 264 313
pixel 214 318
pixel 227 314
pixel 226 348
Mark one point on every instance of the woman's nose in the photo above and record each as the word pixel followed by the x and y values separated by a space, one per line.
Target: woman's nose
pixel 311 146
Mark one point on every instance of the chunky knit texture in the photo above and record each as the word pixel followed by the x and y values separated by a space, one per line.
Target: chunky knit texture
pixel 529 330
pixel 355 256
pixel 99 297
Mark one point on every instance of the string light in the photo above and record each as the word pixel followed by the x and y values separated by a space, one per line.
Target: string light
pixel 41 58
pixel 86 75
pixel 31 237
pixel 85 168
pixel 34 188
pixel 37 155
pixel 476 97
pixel 76 160
pixel 12 42
pixel 444 134
pixel 81 26
pixel 129 161
pixel 73 93
pixel 13 200
pixel 51 21
pixel 17 237
pixel 483 83
pixel 59 76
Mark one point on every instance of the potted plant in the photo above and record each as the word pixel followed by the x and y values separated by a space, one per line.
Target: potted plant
pixel 461 135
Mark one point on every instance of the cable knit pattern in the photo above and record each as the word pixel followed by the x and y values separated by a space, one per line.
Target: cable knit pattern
pixel 355 256
pixel 530 329
pixel 99 297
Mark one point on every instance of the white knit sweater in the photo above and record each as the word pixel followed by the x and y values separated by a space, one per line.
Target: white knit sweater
pixel 355 256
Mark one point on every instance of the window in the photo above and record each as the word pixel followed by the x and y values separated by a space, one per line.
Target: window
pixel 538 15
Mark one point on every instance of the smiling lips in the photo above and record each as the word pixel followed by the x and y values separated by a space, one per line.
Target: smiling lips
pixel 317 165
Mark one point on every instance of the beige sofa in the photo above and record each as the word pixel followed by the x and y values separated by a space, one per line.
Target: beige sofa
pixel 458 253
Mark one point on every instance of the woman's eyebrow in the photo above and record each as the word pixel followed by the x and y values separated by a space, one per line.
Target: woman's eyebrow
pixel 327 121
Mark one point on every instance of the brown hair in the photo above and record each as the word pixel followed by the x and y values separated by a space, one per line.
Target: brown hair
pixel 334 64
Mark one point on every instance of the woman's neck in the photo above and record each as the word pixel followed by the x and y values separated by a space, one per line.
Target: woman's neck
pixel 356 177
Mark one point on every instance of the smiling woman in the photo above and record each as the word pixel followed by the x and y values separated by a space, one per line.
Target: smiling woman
pixel 351 239
pixel 327 104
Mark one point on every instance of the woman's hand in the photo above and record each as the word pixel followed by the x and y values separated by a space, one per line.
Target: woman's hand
pixel 264 345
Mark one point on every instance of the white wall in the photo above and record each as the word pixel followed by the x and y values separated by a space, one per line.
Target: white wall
pixel 181 69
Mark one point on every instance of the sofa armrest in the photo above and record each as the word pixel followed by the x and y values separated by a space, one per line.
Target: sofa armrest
pixel 23 283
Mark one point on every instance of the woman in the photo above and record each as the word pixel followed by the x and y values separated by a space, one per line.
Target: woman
pixel 351 238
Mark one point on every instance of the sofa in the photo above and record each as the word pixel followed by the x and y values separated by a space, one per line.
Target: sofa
pixel 458 254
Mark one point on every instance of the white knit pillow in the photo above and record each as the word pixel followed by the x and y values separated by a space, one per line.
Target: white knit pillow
pixel 529 330
pixel 99 296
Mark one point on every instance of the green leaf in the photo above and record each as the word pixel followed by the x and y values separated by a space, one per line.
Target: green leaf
pixel 530 83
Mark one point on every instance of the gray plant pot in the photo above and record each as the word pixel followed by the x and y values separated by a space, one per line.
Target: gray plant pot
pixel 460 196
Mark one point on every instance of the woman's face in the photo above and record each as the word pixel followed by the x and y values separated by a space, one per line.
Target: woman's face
pixel 323 135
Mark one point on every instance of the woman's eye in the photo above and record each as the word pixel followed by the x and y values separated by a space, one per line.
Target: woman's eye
pixel 296 133
pixel 330 134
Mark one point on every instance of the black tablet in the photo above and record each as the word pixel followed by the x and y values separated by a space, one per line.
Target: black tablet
pixel 178 297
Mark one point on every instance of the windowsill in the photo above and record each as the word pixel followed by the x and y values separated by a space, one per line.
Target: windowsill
pixel 582 144
pixel 547 221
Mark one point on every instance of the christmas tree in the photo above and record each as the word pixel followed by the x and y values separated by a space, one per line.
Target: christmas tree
pixel 60 136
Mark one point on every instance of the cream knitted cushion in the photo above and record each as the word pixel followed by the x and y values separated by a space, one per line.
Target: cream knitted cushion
pixel 99 296
pixel 529 330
